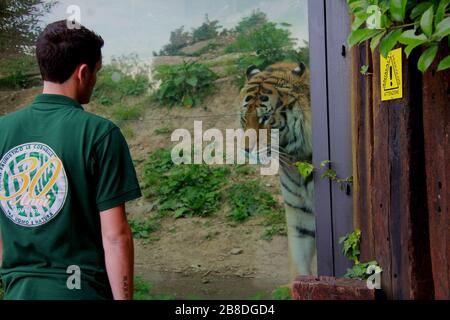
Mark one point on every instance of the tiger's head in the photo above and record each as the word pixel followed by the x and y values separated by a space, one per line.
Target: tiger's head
pixel 277 98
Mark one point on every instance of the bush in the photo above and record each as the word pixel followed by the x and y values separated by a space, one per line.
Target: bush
pixel 178 40
pixel 185 84
pixel 185 190
pixel 254 21
pixel 248 198
pixel 19 72
pixel 269 42
pixel 113 85
pixel 123 113
pixel 208 30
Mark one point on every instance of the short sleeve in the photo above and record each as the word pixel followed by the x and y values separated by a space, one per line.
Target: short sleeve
pixel 114 173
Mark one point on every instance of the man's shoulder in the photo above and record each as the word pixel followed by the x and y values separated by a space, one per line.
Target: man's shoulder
pixel 99 124
pixel 13 116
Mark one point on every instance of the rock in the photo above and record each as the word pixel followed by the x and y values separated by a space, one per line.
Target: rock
pixel 236 251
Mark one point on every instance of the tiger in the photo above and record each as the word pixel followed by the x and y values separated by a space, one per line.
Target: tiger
pixel 278 98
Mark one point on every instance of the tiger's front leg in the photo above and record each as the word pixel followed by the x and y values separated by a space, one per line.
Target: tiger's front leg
pixel 298 198
pixel 301 240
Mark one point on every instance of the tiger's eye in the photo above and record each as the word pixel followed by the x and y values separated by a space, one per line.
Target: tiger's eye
pixel 264 98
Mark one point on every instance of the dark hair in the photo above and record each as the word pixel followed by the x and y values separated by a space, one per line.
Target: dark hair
pixel 60 50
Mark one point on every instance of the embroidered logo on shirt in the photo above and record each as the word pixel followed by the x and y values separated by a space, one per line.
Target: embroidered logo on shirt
pixel 33 184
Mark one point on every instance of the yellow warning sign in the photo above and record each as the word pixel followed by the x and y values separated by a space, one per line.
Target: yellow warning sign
pixel 391 75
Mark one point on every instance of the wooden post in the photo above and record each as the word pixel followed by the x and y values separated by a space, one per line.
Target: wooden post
pixel 436 118
pixel 389 174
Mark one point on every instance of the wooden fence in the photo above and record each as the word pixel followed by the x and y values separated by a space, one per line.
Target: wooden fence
pixel 401 166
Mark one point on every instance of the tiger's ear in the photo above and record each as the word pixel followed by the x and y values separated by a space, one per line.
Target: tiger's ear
pixel 300 70
pixel 251 71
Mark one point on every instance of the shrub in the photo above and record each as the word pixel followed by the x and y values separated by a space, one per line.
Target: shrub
pixel 178 40
pixel 185 190
pixel 19 72
pixel 123 113
pixel 249 198
pixel 185 84
pixel 113 85
pixel 208 30
pixel 268 41
pixel 254 21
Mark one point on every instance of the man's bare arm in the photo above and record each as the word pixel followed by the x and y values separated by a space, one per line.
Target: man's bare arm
pixel 119 252
pixel 1 249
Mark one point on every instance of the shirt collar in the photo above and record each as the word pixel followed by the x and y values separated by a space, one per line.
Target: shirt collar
pixel 56 99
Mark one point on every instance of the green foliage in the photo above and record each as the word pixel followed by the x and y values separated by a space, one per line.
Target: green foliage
pixel 412 23
pixel 282 293
pixel 178 40
pixel 143 229
pixel 143 291
pixel 200 190
pixel 208 48
pixel 184 84
pixel 2 291
pixel 269 42
pixel 184 190
pixel 252 22
pixel 208 30
pixel 122 112
pixel 350 247
pixel 351 250
pixel 20 24
pixel 113 85
pixel 305 169
pixel 359 271
pixel 162 131
pixel 275 222
pixel 19 72
pixel 249 198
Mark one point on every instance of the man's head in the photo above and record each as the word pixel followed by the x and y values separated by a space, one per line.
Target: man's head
pixel 70 59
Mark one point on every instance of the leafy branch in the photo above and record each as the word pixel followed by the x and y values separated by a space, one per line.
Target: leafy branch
pixel 306 170
pixel 412 23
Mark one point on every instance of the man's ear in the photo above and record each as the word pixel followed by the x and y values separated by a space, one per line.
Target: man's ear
pixel 83 72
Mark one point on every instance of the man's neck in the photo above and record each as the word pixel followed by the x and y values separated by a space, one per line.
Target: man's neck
pixel 60 89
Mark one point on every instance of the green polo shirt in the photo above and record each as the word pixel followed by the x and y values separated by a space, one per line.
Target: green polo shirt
pixel 60 167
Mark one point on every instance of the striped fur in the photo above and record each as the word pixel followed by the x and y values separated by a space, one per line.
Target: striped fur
pixel 277 98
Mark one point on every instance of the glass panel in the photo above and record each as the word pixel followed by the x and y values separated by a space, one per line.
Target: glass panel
pixel 180 78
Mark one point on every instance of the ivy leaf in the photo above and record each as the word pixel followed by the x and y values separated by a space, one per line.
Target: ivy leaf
pixel 420 9
pixel 361 35
pixel 359 20
pixel 398 9
pixel 443 28
pixel 305 169
pixel 324 163
pixel 427 58
pixel 389 42
pixel 412 40
pixel 426 22
pixel 444 64
pixel 376 41
pixel 440 12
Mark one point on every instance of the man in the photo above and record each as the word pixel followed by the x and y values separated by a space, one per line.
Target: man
pixel 65 175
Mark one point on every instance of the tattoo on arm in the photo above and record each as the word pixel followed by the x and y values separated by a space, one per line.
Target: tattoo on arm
pixel 126 287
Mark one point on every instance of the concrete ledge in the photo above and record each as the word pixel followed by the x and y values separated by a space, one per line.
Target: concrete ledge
pixel 330 288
